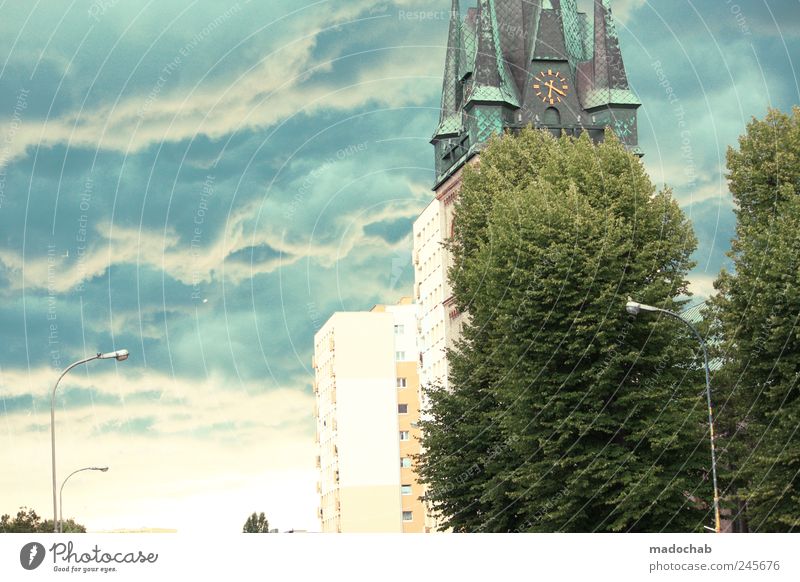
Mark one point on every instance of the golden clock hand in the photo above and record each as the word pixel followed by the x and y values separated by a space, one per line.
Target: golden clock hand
pixel 552 88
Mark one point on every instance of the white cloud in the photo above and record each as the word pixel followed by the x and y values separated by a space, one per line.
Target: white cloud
pixel 274 88
pixel 165 250
pixel 702 286
pixel 624 8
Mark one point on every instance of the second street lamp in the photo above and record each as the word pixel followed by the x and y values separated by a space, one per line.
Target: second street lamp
pixel 118 355
pixel 634 307
pixel 61 494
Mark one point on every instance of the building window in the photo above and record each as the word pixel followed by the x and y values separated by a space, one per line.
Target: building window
pixel 402 409
pixel 405 489
pixel 408 516
pixel 405 462
pixel 402 382
pixel 399 329
pixel 404 435
pixel 399 356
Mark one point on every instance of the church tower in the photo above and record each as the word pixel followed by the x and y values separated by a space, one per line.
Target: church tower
pixel 509 64
pixel 512 63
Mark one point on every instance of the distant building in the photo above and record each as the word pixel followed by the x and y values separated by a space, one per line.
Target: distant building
pixel 142 530
pixel 366 388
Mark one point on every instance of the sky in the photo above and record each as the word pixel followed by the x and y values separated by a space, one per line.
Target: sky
pixel 204 183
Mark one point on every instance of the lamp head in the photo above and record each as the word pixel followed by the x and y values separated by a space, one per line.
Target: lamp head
pixel 103 469
pixel 119 355
pixel 633 307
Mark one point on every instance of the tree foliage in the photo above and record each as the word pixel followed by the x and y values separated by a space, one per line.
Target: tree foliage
pixel 564 413
pixel 756 317
pixel 28 521
pixel 256 523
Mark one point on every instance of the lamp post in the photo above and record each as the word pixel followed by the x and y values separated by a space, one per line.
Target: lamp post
pixel 634 308
pixel 61 494
pixel 118 355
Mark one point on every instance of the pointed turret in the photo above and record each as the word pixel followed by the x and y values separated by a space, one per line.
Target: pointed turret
pixel 450 117
pixel 493 82
pixel 513 20
pixel 609 80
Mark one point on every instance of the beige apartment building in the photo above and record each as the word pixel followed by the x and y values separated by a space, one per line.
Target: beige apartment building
pixel 367 406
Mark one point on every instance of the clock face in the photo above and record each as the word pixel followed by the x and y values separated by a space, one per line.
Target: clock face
pixel 551 87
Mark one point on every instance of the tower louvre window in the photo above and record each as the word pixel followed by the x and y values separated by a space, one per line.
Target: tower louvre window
pixel 552 117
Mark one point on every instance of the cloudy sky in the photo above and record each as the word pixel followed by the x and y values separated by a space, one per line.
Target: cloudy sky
pixel 205 182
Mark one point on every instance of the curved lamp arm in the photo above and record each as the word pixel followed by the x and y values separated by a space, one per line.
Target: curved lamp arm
pixel 61 492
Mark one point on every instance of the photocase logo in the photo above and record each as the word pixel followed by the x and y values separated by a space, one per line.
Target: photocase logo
pixel 31 555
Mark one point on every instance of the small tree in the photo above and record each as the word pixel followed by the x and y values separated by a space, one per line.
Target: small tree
pixel 256 523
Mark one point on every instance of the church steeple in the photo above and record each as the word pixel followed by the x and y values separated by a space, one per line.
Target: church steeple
pixel 450 123
pixel 511 63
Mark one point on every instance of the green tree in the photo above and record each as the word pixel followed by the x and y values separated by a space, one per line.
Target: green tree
pixel 256 523
pixel 756 316
pixel 28 521
pixel 564 414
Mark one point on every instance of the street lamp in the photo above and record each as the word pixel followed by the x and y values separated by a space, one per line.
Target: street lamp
pixel 118 355
pixel 61 494
pixel 634 308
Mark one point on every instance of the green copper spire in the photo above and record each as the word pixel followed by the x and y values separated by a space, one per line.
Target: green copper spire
pixel 610 82
pixel 450 116
pixel 492 79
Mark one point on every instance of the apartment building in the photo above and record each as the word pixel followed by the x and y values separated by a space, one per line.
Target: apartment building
pixel 366 388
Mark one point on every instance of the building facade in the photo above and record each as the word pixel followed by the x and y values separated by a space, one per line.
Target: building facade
pixel 511 64
pixel 406 353
pixel 366 390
